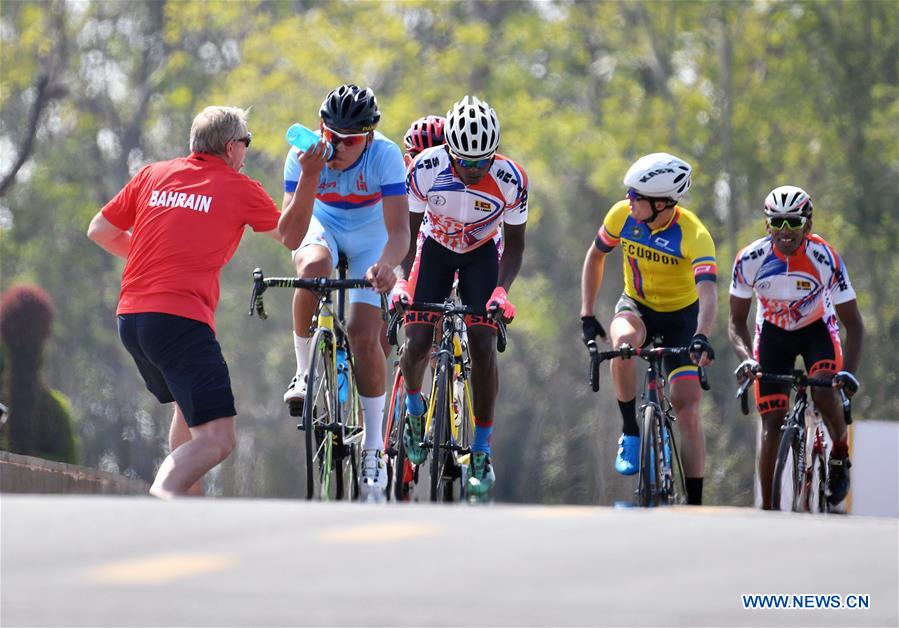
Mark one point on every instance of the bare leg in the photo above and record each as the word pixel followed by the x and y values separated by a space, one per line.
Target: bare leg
pixel 210 443
pixel 179 433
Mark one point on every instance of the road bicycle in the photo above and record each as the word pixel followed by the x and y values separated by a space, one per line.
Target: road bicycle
pixel 803 449
pixel 449 418
pixel 656 485
pixel 331 415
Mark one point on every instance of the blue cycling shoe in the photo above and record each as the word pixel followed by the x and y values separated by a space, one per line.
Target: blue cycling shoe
pixel 628 457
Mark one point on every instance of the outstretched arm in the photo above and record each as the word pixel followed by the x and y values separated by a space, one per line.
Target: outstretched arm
pixel 109 237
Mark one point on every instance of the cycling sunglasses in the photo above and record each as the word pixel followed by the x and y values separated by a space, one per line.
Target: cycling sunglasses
pixel 786 222
pixel 472 163
pixel 348 139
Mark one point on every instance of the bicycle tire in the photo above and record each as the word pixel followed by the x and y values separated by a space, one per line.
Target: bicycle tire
pixel 649 478
pixel 441 428
pixel 319 410
pixel 465 429
pixel 400 465
pixel 789 443
pixel 815 499
pixel 348 439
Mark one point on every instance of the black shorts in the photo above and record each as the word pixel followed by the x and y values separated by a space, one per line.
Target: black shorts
pixel 676 329
pixel 180 360
pixel 776 350
pixel 431 279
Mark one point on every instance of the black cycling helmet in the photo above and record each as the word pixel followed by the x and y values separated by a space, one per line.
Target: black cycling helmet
pixel 350 108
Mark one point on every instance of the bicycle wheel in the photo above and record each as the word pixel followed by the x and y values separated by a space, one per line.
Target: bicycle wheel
pixel 790 442
pixel 394 412
pixel 439 451
pixel 650 446
pixel 668 493
pixel 815 499
pixel 463 429
pixel 347 439
pixel 319 412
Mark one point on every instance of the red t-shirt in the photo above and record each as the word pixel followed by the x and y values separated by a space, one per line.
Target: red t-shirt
pixel 188 216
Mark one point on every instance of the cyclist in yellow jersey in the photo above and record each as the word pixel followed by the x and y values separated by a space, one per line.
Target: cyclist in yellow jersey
pixel 669 291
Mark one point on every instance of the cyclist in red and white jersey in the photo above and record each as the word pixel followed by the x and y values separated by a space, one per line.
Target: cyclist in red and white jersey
pixel 460 195
pixel 802 288
pixel 423 133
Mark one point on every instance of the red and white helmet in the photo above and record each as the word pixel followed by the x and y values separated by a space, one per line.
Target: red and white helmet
pixel 660 175
pixel 424 133
pixel 472 129
pixel 788 200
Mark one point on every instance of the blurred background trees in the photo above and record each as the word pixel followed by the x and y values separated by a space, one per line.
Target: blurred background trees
pixel 753 94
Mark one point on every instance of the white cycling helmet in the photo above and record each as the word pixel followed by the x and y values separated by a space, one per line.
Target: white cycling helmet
pixel 788 200
pixel 472 129
pixel 660 175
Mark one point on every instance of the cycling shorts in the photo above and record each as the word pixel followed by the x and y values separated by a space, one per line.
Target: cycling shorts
pixel 180 360
pixel 675 329
pixel 362 244
pixel 776 350
pixel 435 267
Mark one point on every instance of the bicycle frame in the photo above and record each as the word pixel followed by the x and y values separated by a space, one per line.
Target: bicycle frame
pixel 656 484
pixel 804 437
pixel 331 440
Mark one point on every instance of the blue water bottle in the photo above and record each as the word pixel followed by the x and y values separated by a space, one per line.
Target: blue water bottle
pixel 303 138
pixel 342 370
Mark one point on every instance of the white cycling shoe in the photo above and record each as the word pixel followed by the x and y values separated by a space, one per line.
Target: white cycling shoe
pixel 373 487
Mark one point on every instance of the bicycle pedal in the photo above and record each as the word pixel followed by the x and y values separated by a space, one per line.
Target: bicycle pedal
pixel 296 407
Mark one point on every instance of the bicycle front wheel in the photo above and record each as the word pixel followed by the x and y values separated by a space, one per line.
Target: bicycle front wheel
pixel 440 453
pixel 319 413
pixel 790 442
pixel 814 499
pixel 650 459
pixel 347 438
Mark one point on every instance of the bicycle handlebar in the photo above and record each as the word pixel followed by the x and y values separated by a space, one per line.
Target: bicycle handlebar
pixel 447 308
pixel 797 380
pixel 319 285
pixel 626 352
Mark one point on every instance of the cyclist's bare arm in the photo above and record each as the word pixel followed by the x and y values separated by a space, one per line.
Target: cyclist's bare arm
pixel 851 318
pixel 591 278
pixel 396 221
pixel 109 237
pixel 415 220
pixel 708 307
pixel 296 207
pixel 510 263
pixel 737 328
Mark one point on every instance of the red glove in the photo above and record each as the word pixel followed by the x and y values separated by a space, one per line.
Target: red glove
pixel 499 300
pixel 399 297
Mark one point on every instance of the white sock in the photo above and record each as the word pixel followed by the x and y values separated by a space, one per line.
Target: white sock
pixel 301 347
pixel 373 407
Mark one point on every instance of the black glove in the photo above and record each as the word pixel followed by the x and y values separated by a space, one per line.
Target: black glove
pixel 699 345
pixel 848 380
pixel 591 328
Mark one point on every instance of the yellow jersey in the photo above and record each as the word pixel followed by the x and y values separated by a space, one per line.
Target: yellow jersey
pixel 661 266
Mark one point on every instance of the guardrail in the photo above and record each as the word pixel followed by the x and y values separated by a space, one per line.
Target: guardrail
pixel 27 474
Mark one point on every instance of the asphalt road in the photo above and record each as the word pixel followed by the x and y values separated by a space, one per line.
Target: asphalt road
pixel 134 561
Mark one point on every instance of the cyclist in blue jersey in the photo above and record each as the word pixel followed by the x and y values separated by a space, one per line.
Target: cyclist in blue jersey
pixel 356 205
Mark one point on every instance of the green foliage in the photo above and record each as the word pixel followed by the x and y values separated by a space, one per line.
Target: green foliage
pixel 581 88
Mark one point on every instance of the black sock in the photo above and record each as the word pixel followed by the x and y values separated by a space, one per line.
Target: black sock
pixel 694 491
pixel 629 417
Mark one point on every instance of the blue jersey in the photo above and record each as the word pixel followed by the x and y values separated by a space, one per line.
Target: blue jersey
pixel 353 196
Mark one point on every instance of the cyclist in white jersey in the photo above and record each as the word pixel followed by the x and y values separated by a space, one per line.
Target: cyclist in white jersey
pixel 460 195
pixel 356 205
pixel 802 287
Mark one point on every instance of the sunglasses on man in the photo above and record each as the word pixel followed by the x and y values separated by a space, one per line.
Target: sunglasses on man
pixel 245 140
pixel 347 139
pixel 793 223
pixel 472 163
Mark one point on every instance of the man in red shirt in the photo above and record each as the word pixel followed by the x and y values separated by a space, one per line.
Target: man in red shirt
pixel 177 223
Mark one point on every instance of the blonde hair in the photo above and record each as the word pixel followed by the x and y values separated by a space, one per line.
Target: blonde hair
pixel 214 127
